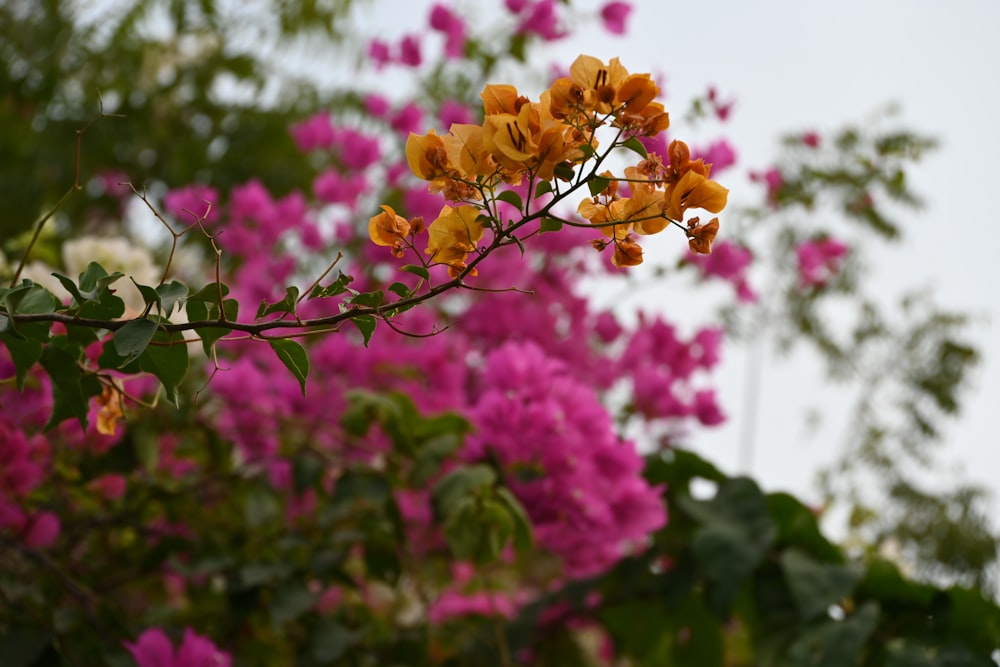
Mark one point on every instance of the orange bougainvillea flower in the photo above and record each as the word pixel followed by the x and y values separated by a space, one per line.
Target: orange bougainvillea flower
pixel 453 235
pixel 502 99
pixel 389 229
pixel 700 236
pixel 426 155
pixel 110 414
pixel 627 252
pixel 695 191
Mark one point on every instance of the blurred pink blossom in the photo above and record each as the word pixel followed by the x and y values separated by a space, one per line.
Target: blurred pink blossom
pixel 614 15
pixel 154 649
pixel 819 261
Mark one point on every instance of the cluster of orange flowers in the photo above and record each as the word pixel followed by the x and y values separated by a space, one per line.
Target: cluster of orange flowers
pixel 546 140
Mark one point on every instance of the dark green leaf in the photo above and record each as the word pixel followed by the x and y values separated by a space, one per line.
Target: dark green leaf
pixel 400 289
pixel 95 279
pixel 416 270
pixel 511 198
pixel 211 293
pixel 543 188
pixel 459 484
pixel 816 586
pixel 366 325
pixel 71 389
pixel 291 601
pixel 74 291
pixel 29 299
pixel 24 353
pixel 22 645
pixel 295 359
pixel 550 225
pixel 133 338
pixel 564 171
pixel 167 359
pixel 635 145
pixel 523 539
pixel 597 185
pixel 330 641
pixel 149 294
pixel 835 643
pixel 338 286
pixel 371 299
pixel 170 293
pixel 286 305
pixel 734 537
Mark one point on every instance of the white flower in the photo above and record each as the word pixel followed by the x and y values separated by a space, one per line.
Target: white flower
pixel 114 254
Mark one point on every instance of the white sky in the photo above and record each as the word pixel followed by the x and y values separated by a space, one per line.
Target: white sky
pixel 797 65
pixel 803 65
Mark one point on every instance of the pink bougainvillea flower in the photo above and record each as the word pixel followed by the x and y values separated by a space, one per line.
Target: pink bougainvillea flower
pixel 453 112
pixel 540 18
pixel 614 15
pixel 772 179
pixel 819 261
pixel 719 155
pixel 378 51
pixel 43 531
pixel 313 132
pixel 192 202
pixel 409 51
pixel 811 139
pixel 408 119
pixel 445 21
pixel 376 105
pixel 154 649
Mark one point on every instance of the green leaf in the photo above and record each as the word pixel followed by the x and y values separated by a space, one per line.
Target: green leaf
pixel 734 537
pixel 28 299
pixel 171 293
pixel 588 150
pixel 459 484
pixel 402 290
pixel 797 526
pixel 835 643
pixel 291 601
pixel 642 630
pixel 330 641
pixel 635 145
pixel 22 645
pixel 95 279
pixel 564 171
pixel 598 184
pixel 372 299
pixel 543 188
pixel 338 286
pixel 366 325
pixel 133 338
pixel 550 225
pixel 815 586
pixel 511 198
pixel 71 388
pixel 149 294
pixel 25 354
pixel 416 270
pixel 167 359
pixel 211 293
pixel 70 286
pixel 286 305
pixel 107 307
pixel 477 530
pixel 523 538
pixel 294 357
